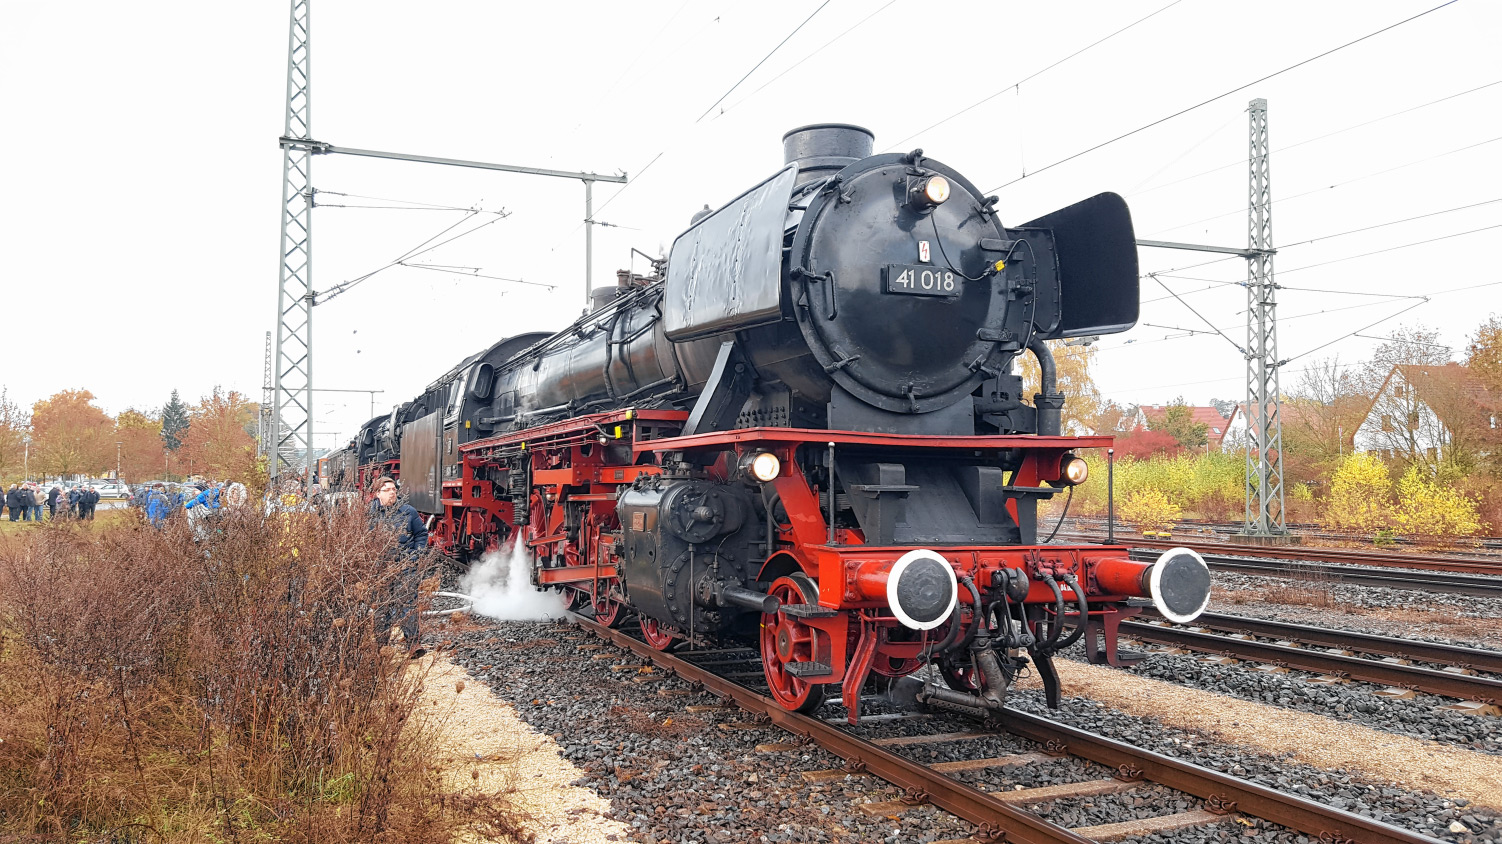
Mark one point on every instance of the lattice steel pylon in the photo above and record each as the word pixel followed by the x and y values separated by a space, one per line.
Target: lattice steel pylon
pixel 1264 465
pixel 292 403
pixel 263 417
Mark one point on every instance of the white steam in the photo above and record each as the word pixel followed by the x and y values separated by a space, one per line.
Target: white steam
pixel 501 585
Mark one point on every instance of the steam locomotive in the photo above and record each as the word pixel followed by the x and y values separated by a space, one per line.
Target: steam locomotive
pixel 804 429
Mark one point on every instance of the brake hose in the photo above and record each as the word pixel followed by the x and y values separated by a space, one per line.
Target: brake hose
pixel 1084 605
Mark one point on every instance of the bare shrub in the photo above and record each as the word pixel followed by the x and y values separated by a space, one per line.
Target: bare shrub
pixel 228 687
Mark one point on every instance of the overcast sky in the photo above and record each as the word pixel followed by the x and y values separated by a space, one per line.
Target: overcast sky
pixel 142 176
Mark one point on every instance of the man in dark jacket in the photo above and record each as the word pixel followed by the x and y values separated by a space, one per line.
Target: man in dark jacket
pixel 400 605
pixel 13 502
pixel 73 495
pixel 52 496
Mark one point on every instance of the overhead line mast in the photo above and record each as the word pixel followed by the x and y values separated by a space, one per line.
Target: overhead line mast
pixel 1264 466
pixel 292 406
pixel 1264 463
pixel 291 434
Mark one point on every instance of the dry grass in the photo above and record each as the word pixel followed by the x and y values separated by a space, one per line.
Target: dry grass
pixel 158 688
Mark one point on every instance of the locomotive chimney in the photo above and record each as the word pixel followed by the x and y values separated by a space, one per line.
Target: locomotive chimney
pixel 823 149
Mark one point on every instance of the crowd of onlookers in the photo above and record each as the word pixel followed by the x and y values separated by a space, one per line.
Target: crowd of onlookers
pixel 24 502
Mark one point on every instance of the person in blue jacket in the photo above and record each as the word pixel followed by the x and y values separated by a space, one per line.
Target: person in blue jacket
pixel 400 605
pixel 157 505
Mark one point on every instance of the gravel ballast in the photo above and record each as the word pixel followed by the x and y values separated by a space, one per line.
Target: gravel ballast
pixel 672 775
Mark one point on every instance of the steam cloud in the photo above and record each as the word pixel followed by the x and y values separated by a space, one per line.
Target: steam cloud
pixel 502 589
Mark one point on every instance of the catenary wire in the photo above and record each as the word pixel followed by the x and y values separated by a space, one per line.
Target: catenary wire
pixel 475 274
pixel 1220 96
pixel 1336 185
pixel 428 205
pixel 420 249
pixel 1242 161
pixel 768 56
pixel 1171 274
pixel 1030 77
pixel 796 64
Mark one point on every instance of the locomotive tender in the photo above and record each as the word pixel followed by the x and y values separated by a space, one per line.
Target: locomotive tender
pixel 804 429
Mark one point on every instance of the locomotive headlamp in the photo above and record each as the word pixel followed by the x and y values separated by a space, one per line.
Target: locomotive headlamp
pixel 936 190
pixel 763 466
pixel 1073 470
pixel 928 192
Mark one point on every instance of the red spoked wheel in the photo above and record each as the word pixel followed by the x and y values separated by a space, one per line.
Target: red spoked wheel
pixel 575 599
pixel 658 635
pixel 786 640
pixel 608 611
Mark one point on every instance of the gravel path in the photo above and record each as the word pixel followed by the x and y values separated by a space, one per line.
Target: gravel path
pixel 677 776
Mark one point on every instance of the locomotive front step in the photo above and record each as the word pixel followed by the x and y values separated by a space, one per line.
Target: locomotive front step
pixel 804 670
pixel 809 611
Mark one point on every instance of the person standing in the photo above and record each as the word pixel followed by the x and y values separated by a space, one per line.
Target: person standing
pixel 52 496
pixel 73 496
pixel 26 499
pixel 157 505
pixel 400 606
pixel 13 502
pixel 36 501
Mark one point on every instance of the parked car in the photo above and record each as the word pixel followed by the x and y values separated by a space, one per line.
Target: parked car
pixel 111 489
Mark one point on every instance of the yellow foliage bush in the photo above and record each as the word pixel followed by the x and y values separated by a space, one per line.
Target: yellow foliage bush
pixel 1360 495
pixel 1149 509
pixel 1427 507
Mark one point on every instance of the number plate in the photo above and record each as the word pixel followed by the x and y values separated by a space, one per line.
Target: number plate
pixel 919 280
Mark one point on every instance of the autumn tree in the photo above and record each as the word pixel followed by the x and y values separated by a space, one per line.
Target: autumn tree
pixel 1320 418
pixel 174 422
pixel 1146 444
pixel 1083 404
pixel 14 423
pixel 216 443
pixel 1483 355
pixel 1178 422
pixel 141 450
pixel 70 436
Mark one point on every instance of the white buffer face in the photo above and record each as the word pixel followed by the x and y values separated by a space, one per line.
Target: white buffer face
pixel 1179 584
pixel 922 590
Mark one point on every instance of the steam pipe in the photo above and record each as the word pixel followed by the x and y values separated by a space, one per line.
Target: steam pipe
pixel 1049 401
pixel 737 596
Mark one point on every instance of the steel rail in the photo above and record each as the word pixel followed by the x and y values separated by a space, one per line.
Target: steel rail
pixel 1430 581
pixel 976 806
pixel 1222 792
pixel 1422 679
pixel 1408 559
pixel 1457 655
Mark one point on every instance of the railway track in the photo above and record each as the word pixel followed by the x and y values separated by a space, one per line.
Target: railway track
pixel 1482 545
pixel 1322 572
pixel 1306 554
pixel 1001 816
pixel 1334 653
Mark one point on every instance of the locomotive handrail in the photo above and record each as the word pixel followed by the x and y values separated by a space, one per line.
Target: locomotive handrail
pixel 864 438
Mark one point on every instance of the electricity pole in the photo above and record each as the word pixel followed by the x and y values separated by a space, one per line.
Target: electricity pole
pixel 1264 467
pixel 1264 457
pixel 292 413
pixel 292 376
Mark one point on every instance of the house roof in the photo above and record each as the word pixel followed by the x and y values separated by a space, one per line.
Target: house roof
pixel 1439 385
pixel 1450 390
pixel 1215 424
